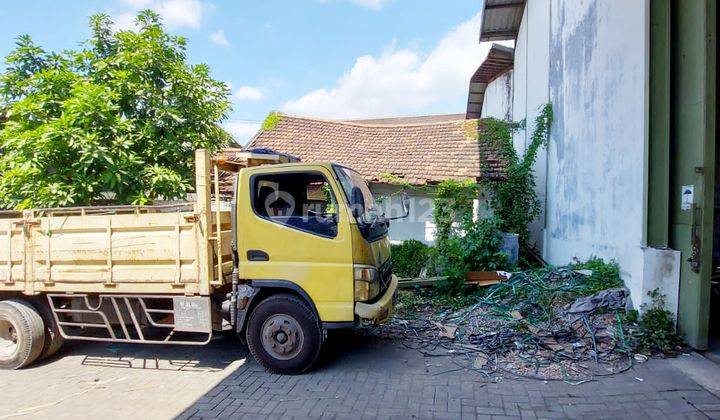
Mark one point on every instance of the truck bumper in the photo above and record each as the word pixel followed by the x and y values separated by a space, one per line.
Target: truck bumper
pixel 380 311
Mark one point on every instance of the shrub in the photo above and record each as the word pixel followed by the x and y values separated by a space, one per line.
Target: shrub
pixel 657 326
pixel 409 258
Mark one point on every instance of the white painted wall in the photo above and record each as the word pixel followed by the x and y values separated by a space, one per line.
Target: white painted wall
pixel 596 180
pixel 497 102
pixel 588 58
pixel 531 92
pixel 420 224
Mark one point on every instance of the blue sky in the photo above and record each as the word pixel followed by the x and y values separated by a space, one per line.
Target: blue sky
pixel 323 58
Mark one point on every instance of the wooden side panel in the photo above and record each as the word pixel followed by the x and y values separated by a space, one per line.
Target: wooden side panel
pixel 12 268
pixel 125 248
pixel 129 253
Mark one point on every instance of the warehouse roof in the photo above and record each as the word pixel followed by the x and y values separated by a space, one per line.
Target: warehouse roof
pixel 426 150
pixel 501 19
pixel 499 60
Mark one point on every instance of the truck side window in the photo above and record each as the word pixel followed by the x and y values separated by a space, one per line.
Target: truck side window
pixel 299 200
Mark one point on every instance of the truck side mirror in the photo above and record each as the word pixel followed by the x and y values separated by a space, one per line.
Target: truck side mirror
pixel 406 207
pixel 358 202
pixel 405 204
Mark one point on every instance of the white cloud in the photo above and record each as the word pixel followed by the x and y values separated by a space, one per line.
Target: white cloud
pixel 218 37
pixel 401 81
pixel 242 130
pixel 175 13
pixel 178 13
pixel 249 93
pixel 124 22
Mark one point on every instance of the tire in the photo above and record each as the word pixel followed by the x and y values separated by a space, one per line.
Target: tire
pixel 22 334
pixel 284 335
pixel 53 339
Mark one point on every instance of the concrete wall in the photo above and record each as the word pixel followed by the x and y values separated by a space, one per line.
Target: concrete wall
pixel 589 59
pixel 497 102
pixel 531 92
pixel 596 175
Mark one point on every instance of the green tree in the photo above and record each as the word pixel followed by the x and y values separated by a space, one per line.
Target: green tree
pixel 121 115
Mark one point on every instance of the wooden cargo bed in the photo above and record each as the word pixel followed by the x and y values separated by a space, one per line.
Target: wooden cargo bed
pixel 168 249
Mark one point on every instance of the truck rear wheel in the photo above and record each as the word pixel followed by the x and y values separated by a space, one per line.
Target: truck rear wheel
pixel 284 335
pixel 22 334
pixel 53 339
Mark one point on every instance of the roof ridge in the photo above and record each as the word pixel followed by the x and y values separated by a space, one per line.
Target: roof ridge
pixel 359 124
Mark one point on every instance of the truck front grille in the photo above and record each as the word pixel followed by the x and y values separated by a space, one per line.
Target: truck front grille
pixel 385 276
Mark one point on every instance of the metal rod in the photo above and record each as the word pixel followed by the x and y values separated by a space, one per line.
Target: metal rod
pixel 120 318
pixel 134 319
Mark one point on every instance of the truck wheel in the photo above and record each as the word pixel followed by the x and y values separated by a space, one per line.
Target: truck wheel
pixel 284 335
pixel 22 334
pixel 53 339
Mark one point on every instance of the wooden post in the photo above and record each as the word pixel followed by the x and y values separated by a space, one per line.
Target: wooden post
pixel 218 224
pixel 202 191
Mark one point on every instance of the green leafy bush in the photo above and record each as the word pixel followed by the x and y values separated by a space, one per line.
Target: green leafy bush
pixel 409 258
pixel 605 275
pixel 657 326
pixel 463 243
pixel 479 248
pixel 122 115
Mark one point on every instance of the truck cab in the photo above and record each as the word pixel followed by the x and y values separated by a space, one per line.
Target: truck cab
pixel 289 251
pixel 313 229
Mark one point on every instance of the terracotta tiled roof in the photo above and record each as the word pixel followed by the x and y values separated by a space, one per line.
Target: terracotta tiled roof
pixel 418 153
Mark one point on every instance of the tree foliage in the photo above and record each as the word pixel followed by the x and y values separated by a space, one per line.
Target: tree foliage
pixel 121 115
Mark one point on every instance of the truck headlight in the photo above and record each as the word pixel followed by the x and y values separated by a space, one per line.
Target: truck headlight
pixel 367 282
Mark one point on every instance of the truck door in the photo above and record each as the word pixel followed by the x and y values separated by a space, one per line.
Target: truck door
pixel 294 230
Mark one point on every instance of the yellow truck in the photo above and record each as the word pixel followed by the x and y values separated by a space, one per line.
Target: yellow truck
pixel 293 250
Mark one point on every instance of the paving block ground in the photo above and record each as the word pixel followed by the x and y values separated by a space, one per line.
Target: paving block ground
pixel 358 377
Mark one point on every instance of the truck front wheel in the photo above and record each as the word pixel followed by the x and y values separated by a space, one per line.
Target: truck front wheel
pixel 22 334
pixel 284 335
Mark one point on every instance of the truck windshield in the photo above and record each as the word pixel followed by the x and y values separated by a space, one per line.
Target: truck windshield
pixel 361 201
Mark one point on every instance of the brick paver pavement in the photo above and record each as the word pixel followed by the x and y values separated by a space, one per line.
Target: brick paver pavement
pixel 367 378
pixel 358 378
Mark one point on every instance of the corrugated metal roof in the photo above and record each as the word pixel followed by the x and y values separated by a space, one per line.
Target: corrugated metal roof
pixel 501 19
pixel 499 60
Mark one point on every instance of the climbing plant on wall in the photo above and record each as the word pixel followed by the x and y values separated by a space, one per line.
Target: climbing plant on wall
pixel 513 197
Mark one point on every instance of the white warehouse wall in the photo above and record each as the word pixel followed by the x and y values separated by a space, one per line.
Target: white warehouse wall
pixel 596 180
pixel 530 83
pixel 497 102
pixel 588 58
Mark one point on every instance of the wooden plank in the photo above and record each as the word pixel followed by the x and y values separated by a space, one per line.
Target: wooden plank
pixel 202 187
pixel 410 282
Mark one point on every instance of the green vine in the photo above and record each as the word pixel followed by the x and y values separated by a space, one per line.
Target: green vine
pixel 513 198
pixel 453 208
pixel 272 120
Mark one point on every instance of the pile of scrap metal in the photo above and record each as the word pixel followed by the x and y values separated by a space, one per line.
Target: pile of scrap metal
pixel 549 324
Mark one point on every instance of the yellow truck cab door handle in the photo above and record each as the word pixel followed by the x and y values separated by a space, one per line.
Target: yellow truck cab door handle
pixel 257 255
